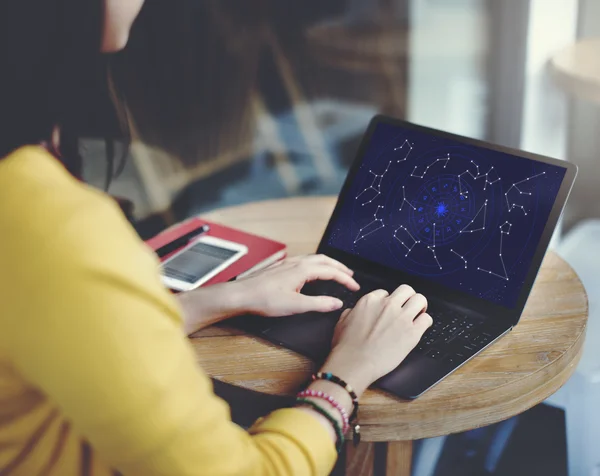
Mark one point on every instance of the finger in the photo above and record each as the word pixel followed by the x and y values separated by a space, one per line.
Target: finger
pixel 301 303
pixel 345 314
pixel 423 322
pixel 402 294
pixel 377 294
pixel 324 259
pixel 329 273
pixel 341 323
pixel 415 305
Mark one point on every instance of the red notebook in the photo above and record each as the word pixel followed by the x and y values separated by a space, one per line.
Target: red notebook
pixel 262 252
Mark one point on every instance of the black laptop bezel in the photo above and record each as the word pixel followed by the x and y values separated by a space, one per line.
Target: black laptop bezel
pixel 394 277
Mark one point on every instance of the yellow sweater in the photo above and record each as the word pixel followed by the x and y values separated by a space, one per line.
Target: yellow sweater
pixel 96 374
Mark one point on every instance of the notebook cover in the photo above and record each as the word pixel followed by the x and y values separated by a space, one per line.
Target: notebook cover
pixel 259 248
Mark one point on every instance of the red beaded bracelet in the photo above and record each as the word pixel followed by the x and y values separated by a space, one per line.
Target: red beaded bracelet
pixel 353 417
pixel 338 381
pixel 332 401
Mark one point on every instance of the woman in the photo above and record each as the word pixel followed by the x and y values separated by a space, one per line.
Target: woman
pixel 96 374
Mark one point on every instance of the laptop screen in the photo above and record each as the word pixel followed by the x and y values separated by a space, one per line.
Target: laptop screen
pixel 464 216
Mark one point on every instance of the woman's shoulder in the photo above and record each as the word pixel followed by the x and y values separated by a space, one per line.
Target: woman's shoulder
pixel 31 171
pixel 36 189
pixel 40 202
pixel 60 239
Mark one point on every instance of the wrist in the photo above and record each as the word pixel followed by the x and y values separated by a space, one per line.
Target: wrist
pixel 207 306
pixel 249 297
pixel 357 375
pixel 236 298
pixel 341 396
pixel 336 391
pixel 334 401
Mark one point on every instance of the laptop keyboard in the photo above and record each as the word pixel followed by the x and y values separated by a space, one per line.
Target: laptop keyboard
pixel 453 337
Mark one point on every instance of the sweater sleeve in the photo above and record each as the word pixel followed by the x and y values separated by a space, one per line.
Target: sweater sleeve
pixel 103 340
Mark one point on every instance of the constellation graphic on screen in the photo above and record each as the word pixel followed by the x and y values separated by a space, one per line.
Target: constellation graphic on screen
pixel 414 241
pixel 460 256
pixel 438 212
pixel 442 210
pixel 504 230
pixel 375 186
pixel 410 147
pixel 404 200
pixel 371 227
pixel 432 248
pixel 482 228
pixel 514 205
pixel 445 160
pixel 478 176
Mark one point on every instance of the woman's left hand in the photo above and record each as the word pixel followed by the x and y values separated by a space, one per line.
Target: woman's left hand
pixel 275 291
pixel 272 292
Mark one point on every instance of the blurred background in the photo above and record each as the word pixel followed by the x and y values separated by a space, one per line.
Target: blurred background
pixel 234 101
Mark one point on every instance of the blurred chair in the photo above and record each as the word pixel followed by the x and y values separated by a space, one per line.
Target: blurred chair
pixel 483 446
pixel 577 70
pixel 163 175
pixel 370 39
pixel 581 395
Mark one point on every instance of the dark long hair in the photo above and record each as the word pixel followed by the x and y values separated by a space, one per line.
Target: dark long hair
pixel 50 67
pixel 187 75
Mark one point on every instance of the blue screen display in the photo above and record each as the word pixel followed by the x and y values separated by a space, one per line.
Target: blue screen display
pixel 463 216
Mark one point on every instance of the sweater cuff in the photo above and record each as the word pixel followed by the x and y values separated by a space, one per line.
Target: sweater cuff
pixel 306 431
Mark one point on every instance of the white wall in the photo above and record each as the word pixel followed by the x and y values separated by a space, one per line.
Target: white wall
pixel 552 26
pixel 447 71
pixel 584 134
pixel 449 87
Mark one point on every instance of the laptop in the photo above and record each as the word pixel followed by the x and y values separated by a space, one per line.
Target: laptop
pixel 464 222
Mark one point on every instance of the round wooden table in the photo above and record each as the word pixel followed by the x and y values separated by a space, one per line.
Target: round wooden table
pixel 521 370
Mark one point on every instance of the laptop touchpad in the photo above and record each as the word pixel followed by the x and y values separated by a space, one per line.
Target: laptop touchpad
pixel 308 334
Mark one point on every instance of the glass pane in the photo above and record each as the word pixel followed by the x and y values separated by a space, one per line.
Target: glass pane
pixel 234 101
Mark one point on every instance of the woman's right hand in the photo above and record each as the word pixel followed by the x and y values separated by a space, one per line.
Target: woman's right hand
pixel 372 339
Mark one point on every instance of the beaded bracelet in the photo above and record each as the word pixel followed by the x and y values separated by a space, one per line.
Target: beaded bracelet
pixel 332 401
pixel 336 425
pixel 338 381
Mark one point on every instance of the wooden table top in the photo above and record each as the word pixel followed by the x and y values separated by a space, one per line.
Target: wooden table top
pixel 577 69
pixel 522 369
